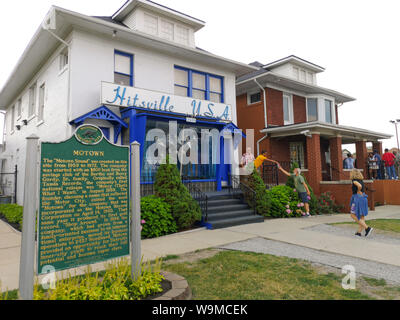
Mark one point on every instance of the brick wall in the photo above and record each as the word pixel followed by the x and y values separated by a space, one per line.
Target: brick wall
pixel 342 193
pixel 387 192
pixel 250 117
pixel 362 155
pixel 336 158
pixel 299 109
pixel 274 107
pixel 313 152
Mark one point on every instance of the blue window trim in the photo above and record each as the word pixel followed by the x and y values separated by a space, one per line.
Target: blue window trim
pixel 168 115
pixel 131 57
pixel 207 90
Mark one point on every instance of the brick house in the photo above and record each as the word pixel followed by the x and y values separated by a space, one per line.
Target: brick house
pixel 294 119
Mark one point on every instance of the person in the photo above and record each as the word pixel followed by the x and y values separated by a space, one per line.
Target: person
pixel 247 157
pixel 359 203
pixel 348 162
pixel 389 158
pixel 260 160
pixel 378 160
pixel 300 186
pixel 397 163
pixel 372 165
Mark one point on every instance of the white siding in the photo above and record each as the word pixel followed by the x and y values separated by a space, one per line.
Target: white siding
pixel 55 126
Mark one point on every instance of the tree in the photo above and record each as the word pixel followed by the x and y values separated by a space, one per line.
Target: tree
pixel 168 186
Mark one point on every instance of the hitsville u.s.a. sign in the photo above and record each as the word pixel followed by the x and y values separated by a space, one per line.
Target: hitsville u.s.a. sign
pixel 123 96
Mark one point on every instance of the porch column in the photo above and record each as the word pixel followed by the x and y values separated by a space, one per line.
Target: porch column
pixel 361 152
pixel 314 162
pixel 335 145
pixel 377 145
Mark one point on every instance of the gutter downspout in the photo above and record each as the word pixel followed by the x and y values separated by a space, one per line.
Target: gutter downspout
pixel 265 116
pixel 46 26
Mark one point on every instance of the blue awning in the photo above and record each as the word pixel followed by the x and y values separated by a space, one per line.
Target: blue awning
pixel 103 113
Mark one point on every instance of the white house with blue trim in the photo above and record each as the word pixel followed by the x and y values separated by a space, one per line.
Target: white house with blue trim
pixel 129 73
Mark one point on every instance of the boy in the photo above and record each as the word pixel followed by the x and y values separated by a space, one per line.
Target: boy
pixel 301 187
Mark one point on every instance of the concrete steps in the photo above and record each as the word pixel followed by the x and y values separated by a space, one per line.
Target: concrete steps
pixel 226 211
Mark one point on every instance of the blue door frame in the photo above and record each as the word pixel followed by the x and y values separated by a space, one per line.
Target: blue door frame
pixel 137 132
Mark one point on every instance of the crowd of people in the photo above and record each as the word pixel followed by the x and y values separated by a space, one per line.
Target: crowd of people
pixel 384 166
pixel 359 199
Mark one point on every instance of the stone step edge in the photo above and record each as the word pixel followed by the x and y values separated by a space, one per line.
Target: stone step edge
pixel 180 287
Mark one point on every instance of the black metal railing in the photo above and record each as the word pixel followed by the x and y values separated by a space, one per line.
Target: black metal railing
pixel 271 174
pixel 8 185
pixel 238 189
pixel 198 195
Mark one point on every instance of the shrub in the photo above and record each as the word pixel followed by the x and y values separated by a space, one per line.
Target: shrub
pixel 13 213
pixel 157 217
pixel 326 204
pixel 284 202
pixel 168 186
pixel 263 203
pixel 115 284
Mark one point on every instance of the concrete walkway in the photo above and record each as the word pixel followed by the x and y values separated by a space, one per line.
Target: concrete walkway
pixel 292 231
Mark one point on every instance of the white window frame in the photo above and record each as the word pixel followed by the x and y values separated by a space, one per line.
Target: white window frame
pixel 301 155
pixel 332 110
pixel 12 120
pixel 312 97
pixel 19 108
pixel 41 104
pixel 32 101
pixel 290 101
pixel 64 60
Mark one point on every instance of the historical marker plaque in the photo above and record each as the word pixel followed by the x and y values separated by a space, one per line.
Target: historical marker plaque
pixel 84 201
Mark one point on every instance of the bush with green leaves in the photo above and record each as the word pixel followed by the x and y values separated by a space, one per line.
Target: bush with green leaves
pixel 13 213
pixel 158 220
pixel 115 283
pixel 263 203
pixel 168 186
pixel 284 202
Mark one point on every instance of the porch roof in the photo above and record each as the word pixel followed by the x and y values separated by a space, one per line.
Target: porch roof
pixel 328 130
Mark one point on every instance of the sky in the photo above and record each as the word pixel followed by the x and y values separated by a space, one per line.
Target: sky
pixel 357 42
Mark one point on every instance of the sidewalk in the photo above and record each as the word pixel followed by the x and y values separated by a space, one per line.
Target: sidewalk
pixel 292 231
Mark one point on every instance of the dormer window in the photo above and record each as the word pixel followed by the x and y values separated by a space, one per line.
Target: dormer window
pixel 182 35
pixel 167 30
pixel 150 24
pixel 303 75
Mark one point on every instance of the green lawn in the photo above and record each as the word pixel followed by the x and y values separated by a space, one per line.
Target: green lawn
pixel 231 275
pixel 391 225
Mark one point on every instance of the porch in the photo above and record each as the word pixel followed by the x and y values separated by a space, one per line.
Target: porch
pixel 317 148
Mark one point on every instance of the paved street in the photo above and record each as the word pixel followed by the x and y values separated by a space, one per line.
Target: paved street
pixel 311 234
